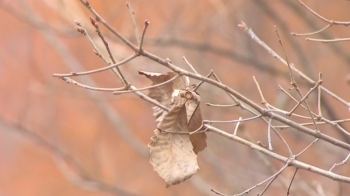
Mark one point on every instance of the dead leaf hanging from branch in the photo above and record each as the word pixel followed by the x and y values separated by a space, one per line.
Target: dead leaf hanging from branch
pixel 172 153
pixel 173 148
pixel 163 93
pixel 194 118
pixel 195 122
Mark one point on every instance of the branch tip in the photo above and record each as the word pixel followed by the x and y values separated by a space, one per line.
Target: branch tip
pixel 80 30
pixel 86 3
pixel 93 22
pixel 77 23
pixel 168 60
pixel 242 25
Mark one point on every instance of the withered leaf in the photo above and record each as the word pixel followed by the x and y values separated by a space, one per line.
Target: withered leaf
pixel 172 154
pixel 194 118
pixel 173 148
pixel 163 93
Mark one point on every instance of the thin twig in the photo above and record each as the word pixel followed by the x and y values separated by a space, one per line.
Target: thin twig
pixel 201 82
pixel 308 109
pixel 286 92
pixel 269 134
pixel 318 117
pixel 115 69
pixel 341 163
pixel 263 101
pixel 231 95
pixel 305 96
pixel 235 100
pixel 312 33
pixel 328 40
pixel 237 125
pixel 267 186
pixel 281 138
pixel 189 64
pixel 341 129
pixel 334 22
pixel 270 120
pixel 143 36
pixel 118 92
pixel 99 33
pixel 274 109
pixel 132 13
pixel 109 27
pixel 150 100
pixel 69 80
pixel 319 90
pixel 292 80
pixel 81 29
pixel 319 123
pixel 218 193
pixel 267 162
pixel 291 181
pixel 199 130
pixel 264 181
pixel 307 147
pixel 295 85
pixel 220 105
pixel 97 70
pixel 231 121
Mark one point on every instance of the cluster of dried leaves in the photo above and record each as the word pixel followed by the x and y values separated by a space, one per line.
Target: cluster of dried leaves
pixel 179 135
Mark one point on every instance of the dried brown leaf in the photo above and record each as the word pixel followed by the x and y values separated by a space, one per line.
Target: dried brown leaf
pixel 195 122
pixel 163 93
pixel 173 148
pixel 172 153
pixel 194 118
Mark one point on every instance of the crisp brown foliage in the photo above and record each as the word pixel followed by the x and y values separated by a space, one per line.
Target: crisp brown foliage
pixel 171 152
pixel 173 148
pixel 163 94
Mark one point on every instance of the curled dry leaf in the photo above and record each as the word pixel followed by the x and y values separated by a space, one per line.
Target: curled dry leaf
pixel 172 156
pixel 163 93
pixel 194 117
pixel 194 123
pixel 173 148
pixel 166 95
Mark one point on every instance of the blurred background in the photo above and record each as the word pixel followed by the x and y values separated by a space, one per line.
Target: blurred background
pixel 59 139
